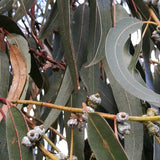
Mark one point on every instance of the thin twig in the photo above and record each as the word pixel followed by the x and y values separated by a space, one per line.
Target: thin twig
pixel 71 146
pixel 80 110
pixel 51 128
pixel 47 58
pixel 115 127
pixel 46 152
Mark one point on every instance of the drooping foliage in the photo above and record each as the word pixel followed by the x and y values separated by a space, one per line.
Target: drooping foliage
pixel 98 56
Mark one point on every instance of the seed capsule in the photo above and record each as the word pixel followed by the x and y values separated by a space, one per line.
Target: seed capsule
pixel 72 122
pixel 40 130
pixel 33 135
pixel 153 129
pixel 93 100
pixel 124 128
pixel 152 112
pixel 122 117
pixel 25 141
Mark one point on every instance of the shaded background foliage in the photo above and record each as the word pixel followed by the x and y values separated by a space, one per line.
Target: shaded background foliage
pixel 67 51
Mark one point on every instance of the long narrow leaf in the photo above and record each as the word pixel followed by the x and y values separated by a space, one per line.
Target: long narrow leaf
pixel 102 139
pixel 62 98
pixel 19 75
pixel 65 31
pixel 16 129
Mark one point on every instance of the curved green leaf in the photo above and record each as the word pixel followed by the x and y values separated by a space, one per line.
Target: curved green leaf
pixel 102 139
pixel 15 149
pixel 103 15
pixel 90 75
pixel 65 32
pixel 115 43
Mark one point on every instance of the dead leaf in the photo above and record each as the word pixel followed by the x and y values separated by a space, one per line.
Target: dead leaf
pixel 19 69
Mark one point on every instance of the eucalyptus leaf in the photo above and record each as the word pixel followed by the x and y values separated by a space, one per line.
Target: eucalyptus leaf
pixel 24 49
pixel 131 105
pixel 66 37
pixel 16 129
pixel 104 20
pixel 102 139
pixel 80 28
pixel 4 74
pixel 62 98
pixel 89 75
pixel 115 42
pixel 3 139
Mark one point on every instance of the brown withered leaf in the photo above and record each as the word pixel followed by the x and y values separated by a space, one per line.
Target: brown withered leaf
pixel 19 69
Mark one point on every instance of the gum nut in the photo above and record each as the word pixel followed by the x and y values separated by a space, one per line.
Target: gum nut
pixel 72 122
pixel 152 112
pixel 40 130
pixel 153 129
pixel 25 141
pixel 124 128
pixel 33 135
pixel 122 117
pixel 95 98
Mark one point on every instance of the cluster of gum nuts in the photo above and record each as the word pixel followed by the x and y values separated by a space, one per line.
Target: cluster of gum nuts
pixel 79 120
pixel 33 136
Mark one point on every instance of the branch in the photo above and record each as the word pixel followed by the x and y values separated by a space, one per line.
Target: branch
pixel 80 110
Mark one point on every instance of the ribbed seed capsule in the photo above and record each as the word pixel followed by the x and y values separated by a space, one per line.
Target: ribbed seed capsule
pixel 122 117
pixel 124 128
pixel 26 142
pixel 40 130
pixel 152 112
pixel 33 135
pixel 153 129
pixel 93 100
pixel 72 122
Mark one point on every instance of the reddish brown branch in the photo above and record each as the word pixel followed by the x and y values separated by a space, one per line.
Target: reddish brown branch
pixel 47 58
